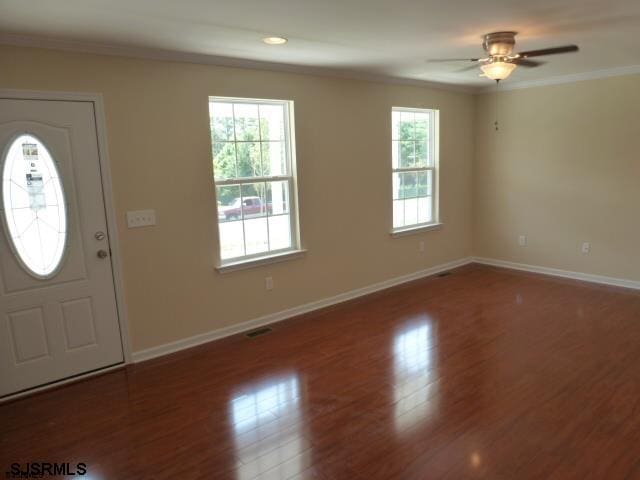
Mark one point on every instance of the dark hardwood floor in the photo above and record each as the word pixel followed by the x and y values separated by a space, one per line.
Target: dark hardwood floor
pixel 484 373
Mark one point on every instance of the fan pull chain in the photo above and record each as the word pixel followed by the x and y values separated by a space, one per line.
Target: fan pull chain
pixel 496 124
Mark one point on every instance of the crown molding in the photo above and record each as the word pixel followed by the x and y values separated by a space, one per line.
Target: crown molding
pixel 562 79
pixel 221 61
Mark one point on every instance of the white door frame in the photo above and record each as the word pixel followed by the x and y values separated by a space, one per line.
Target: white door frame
pixel 112 224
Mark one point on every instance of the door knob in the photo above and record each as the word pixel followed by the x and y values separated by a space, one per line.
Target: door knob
pixel 102 254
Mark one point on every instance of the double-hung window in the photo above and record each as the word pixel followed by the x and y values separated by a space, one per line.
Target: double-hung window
pixel 414 166
pixel 254 174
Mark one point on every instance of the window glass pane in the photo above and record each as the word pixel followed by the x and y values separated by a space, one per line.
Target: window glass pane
pixel 395 178
pixel 228 197
pixel 224 160
pixel 398 213
pixel 249 164
pixel 425 186
pixel 256 237
pixel 231 239
pixel 421 120
pixel 425 209
pixel 395 154
pixel 422 153
pixel 422 139
pixel 273 158
pixel 221 121
pixel 33 206
pixel 253 200
pixel 279 232
pixel 246 122
pixel 272 122
pixel 407 154
pixel 278 197
pixel 406 126
pixel 408 185
pixel 411 211
pixel 395 125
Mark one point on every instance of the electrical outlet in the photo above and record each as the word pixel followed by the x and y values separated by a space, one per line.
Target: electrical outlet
pixel 586 247
pixel 421 246
pixel 522 240
pixel 141 218
pixel 268 283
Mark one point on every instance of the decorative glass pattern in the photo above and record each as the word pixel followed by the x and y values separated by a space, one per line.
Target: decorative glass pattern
pixel 33 206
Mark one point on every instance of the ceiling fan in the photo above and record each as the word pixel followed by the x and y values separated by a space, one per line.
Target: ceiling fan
pixel 501 60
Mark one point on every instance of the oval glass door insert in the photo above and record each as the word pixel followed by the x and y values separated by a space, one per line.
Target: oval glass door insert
pixel 33 206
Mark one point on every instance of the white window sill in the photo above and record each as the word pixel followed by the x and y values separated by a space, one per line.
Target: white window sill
pixel 401 232
pixel 259 261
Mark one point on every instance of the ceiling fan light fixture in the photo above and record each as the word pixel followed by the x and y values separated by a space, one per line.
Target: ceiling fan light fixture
pixel 273 40
pixel 498 70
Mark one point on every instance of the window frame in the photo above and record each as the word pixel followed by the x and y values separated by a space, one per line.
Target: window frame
pixel 293 251
pixel 433 149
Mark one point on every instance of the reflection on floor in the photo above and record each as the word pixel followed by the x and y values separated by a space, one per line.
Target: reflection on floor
pixel 267 425
pixel 415 390
pixel 484 373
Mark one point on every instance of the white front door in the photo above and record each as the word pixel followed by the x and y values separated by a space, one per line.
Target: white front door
pixel 58 315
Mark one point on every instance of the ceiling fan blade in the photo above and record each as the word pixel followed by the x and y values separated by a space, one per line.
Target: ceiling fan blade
pixel 523 62
pixel 549 51
pixel 436 60
pixel 468 67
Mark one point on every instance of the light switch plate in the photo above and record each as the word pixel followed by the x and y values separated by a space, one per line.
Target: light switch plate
pixel 522 240
pixel 141 218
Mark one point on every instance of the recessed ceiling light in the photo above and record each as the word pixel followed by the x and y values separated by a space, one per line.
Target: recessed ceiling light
pixel 275 40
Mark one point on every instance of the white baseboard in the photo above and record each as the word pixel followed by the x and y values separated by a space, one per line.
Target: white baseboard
pixel 153 352
pixel 586 277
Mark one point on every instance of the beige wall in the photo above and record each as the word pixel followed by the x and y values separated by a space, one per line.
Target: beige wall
pixel 564 168
pixel 157 121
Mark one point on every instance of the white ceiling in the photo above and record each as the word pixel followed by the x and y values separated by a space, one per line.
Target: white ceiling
pixel 381 37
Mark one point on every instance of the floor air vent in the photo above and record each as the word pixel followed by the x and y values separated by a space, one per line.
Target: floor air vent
pixel 257 333
pixel 444 274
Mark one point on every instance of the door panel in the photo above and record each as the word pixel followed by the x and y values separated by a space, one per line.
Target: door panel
pixel 79 323
pixel 28 334
pixel 53 327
